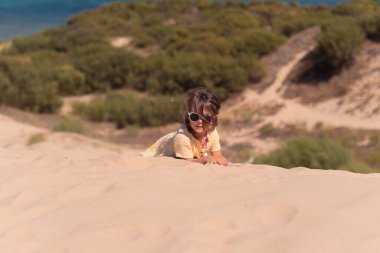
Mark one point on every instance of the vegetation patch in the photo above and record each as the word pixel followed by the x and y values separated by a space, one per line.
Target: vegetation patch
pixel 315 153
pixel 36 138
pixel 130 110
pixel 69 124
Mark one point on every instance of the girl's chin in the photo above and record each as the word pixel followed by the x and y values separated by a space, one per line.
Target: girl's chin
pixel 199 130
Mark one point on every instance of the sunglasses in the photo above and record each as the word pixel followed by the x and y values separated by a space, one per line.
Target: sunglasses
pixel 193 116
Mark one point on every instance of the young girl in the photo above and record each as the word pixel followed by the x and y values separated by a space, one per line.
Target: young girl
pixel 197 136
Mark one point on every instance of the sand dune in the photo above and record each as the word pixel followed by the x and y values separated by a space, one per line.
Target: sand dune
pixel 72 194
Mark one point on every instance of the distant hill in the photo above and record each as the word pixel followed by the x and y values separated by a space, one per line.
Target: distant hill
pixel 169 47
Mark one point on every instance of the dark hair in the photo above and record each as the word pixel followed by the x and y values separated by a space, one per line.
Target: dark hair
pixel 197 100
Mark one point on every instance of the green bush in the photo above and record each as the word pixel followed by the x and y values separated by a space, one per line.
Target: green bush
pixel 371 26
pixel 96 110
pixel 129 110
pixel 204 42
pixel 308 152
pixel 190 70
pixel 292 24
pixel 143 40
pixel 70 81
pixel 5 87
pixel 79 108
pixel 69 124
pixel 372 157
pixel 337 46
pixel 176 37
pixel 254 71
pixel 356 8
pixel 160 110
pixel 268 11
pixel 107 67
pixel 258 42
pixel 48 57
pixel 123 110
pixel 229 21
pixel 40 41
pixel 267 129
pixel 36 138
pixel 358 167
pixel 28 86
pixel 70 37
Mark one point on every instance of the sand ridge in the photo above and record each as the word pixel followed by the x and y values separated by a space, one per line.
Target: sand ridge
pixel 74 194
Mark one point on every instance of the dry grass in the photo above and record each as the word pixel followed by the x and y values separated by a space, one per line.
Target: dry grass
pixel 36 138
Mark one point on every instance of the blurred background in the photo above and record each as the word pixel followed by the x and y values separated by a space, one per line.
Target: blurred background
pixel 299 80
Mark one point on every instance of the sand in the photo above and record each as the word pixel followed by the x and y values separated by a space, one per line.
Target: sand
pixel 72 194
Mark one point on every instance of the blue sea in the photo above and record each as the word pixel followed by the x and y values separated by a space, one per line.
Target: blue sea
pixel 24 17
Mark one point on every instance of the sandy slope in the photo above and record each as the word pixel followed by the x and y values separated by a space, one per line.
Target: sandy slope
pixel 334 112
pixel 72 194
pixel 359 109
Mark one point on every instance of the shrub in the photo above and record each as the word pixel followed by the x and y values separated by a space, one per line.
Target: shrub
pixel 358 167
pixel 116 9
pixel 240 153
pixel 96 110
pixel 69 124
pixel 36 138
pixel 254 71
pixel 79 108
pixel 228 21
pixel 337 46
pixel 160 110
pixel 371 27
pixel 38 41
pixel 308 152
pixel 189 70
pixel 356 8
pixel 128 110
pixel 107 68
pixel 123 110
pixel 28 86
pixel 152 111
pixel 258 42
pixel 372 157
pixel 205 42
pixel 5 87
pixel 142 40
pixel 293 24
pixel 70 81
pixel 267 129
pixel 69 37
pixel 50 58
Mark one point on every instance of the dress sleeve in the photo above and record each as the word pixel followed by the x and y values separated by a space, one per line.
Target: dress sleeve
pixel 182 146
pixel 214 141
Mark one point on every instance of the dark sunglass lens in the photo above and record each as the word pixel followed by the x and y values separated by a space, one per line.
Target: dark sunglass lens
pixel 208 118
pixel 194 117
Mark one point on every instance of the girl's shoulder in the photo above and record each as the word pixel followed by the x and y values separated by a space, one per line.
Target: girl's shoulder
pixel 214 132
pixel 182 134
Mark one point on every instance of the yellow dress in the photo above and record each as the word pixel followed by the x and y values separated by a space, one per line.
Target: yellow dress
pixel 182 144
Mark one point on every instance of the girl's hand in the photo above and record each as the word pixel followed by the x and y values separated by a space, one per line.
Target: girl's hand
pixel 215 160
pixel 210 160
pixel 219 158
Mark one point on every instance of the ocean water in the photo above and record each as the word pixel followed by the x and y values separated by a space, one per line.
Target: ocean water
pixel 24 17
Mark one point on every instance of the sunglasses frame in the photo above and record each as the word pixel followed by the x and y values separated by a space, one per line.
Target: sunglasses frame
pixel 202 117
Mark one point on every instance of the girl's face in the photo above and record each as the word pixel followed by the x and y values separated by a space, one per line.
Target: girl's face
pixel 199 127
